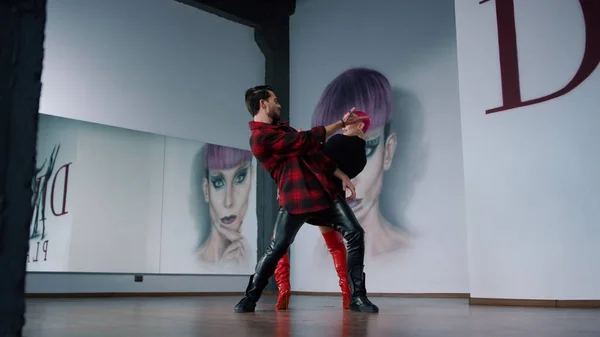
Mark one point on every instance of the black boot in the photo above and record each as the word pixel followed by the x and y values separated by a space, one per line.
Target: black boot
pixel 253 292
pixel 359 302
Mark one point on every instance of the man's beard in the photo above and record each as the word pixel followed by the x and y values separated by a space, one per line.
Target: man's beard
pixel 274 117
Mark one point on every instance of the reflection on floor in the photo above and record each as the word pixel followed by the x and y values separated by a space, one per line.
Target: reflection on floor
pixel 308 316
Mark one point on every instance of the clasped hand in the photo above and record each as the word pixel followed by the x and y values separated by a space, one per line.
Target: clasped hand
pixel 351 118
pixel 347 185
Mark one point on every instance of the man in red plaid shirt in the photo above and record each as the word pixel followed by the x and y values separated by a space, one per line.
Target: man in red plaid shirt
pixel 308 192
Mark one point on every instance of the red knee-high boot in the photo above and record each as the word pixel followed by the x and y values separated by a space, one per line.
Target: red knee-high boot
pixel 337 249
pixel 282 277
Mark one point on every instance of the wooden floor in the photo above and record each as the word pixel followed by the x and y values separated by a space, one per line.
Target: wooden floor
pixel 308 316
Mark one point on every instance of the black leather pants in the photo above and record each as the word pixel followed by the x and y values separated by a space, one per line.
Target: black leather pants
pixel 339 216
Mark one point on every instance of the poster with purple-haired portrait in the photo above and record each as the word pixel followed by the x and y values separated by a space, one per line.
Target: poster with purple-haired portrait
pixel 378 205
pixel 209 212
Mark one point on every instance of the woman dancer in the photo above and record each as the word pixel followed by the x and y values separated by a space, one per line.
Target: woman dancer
pixel 348 151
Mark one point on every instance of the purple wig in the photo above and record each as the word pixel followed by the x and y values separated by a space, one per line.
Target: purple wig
pixel 217 157
pixel 366 89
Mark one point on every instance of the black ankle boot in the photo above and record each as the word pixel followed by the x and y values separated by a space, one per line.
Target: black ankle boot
pixel 253 292
pixel 359 302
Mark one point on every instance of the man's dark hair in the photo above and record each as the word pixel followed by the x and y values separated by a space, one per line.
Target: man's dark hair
pixel 253 97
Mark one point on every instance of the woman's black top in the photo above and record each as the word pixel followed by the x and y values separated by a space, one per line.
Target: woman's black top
pixel 348 152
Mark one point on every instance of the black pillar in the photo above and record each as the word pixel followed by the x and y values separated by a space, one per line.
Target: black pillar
pixel 274 41
pixel 22 24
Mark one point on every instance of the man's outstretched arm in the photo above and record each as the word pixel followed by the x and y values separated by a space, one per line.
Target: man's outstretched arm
pixel 333 128
pixel 292 143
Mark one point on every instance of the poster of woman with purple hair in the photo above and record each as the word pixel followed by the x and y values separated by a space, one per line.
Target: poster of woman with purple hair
pixel 209 225
pixel 370 91
pixel 226 189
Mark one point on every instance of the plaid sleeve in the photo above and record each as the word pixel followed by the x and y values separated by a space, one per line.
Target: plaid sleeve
pixel 292 144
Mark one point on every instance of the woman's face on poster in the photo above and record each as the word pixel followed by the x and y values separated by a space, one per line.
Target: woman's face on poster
pixel 368 183
pixel 227 191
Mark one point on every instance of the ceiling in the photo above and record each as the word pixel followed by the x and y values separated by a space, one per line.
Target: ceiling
pixel 253 13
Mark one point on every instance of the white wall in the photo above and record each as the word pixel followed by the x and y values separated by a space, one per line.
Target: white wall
pixel 413 44
pixel 168 69
pixel 531 173
pixel 161 67
pixel 118 200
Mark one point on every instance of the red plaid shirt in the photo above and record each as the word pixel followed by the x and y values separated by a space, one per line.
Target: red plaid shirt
pixel 295 160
